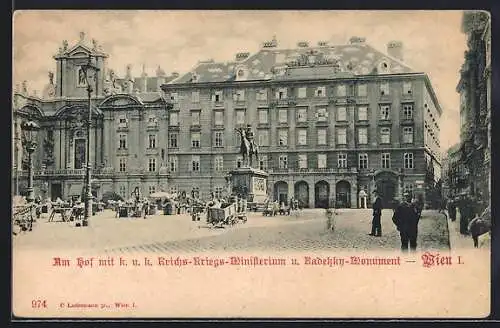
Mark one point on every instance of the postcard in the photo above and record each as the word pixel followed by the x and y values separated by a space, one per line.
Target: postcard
pixel 251 164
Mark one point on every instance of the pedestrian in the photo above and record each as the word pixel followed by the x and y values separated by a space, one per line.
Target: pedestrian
pixel 406 220
pixel 452 210
pixel 377 215
pixel 466 213
pixel 145 208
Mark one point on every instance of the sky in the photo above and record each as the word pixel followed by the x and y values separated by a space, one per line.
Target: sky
pixel 177 40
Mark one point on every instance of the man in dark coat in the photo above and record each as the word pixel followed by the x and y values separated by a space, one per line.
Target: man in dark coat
pixel 406 220
pixel 452 210
pixel 377 214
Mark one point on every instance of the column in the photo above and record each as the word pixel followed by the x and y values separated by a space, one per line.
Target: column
pixel 311 193
pixel 353 193
pixel 291 190
pixel 57 147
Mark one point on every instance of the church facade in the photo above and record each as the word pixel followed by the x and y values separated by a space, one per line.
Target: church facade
pixel 128 118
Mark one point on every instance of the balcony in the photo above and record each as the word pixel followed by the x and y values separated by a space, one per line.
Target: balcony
pixel 152 126
pixel 240 103
pixel 407 121
pixel 283 102
pixel 384 122
pixel 122 127
pixel 217 104
pixel 262 103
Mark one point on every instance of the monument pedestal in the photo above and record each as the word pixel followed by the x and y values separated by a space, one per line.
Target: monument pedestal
pixel 249 183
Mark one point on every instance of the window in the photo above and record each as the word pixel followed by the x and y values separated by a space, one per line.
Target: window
pixel 320 92
pixel 152 189
pixel 283 137
pixel 172 163
pixel 408 188
pixel 195 163
pixel 123 164
pixel 408 111
pixel 321 161
pixel 263 138
pixel 407 88
pixel 408 134
pixel 217 96
pixel 321 136
pixel 302 161
pixel 363 113
pixel 281 93
pixel 283 162
pixel 122 121
pixel 283 116
pixel 195 118
pixel 386 160
pixel 152 121
pixel 263 116
pixel 195 96
pixel 219 118
pixel 152 165
pixel 152 141
pixel 219 163
pixel 123 191
pixel 218 192
pixel 362 136
pixel 174 97
pixel 302 137
pixel 263 162
pixel 385 135
pixel 172 140
pixel 341 114
pixel 240 117
pixel 341 136
pixel 385 112
pixel 321 114
pixel 239 161
pixel 384 89
pixel 342 161
pixel 123 141
pixel 195 139
pixel 408 160
pixel 261 94
pixel 341 90
pixel 239 95
pixel 173 189
pixel 302 115
pixel 219 139
pixel 174 119
pixel 363 161
pixel 362 90
pixel 302 92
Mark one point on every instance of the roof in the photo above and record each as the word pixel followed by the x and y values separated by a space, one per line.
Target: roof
pixel 306 62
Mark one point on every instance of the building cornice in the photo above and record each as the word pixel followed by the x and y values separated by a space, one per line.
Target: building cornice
pixel 270 83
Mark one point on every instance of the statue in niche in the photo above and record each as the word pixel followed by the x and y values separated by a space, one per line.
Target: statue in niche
pixel 51 78
pixel 65 45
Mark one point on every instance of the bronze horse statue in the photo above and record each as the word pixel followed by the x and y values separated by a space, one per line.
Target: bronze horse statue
pixel 248 146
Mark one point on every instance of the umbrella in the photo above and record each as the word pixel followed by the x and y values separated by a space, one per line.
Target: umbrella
pixel 160 194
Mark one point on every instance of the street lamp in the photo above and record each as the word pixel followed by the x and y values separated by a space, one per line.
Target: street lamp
pixel 90 73
pixel 30 131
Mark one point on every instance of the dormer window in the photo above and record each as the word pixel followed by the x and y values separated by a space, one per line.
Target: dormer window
pixel 383 67
pixel 261 94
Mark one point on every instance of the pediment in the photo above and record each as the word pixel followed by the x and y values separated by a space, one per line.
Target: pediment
pixel 79 51
pixel 120 101
pixel 31 111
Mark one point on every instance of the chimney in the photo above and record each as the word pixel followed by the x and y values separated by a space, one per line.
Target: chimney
pixel 270 44
pixel 322 43
pixel 303 44
pixel 395 49
pixel 240 56
pixel 160 78
pixel 357 40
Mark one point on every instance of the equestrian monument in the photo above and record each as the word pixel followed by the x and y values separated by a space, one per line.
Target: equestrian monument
pixel 247 181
